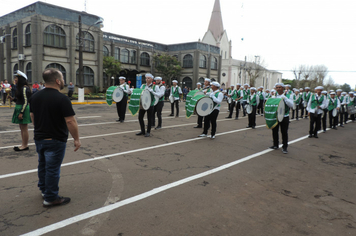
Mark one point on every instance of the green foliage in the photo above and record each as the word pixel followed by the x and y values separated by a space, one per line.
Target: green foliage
pixel 346 87
pixel 111 67
pixel 167 66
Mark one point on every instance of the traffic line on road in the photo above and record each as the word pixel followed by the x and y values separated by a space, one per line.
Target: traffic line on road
pixel 88 117
pixel 147 194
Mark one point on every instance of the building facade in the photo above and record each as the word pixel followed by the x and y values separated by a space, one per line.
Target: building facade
pixel 42 35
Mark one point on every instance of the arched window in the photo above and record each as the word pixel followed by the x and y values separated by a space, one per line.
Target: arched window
pixel 88 75
pixel 214 63
pixel 60 68
pixel 202 61
pixel 105 79
pixel 16 67
pixel 188 61
pixel 124 56
pixel 28 35
pixel 14 39
pixel 145 59
pixel 117 54
pixel 105 51
pixel 201 80
pixel 54 36
pixel 187 81
pixel 29 72
pixel 133 57
pixel 87 41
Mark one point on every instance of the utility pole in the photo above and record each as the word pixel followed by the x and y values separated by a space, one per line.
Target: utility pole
pixel 245 79
pixel 81 81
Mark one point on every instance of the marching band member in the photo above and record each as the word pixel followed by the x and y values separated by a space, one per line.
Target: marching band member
pixel 288 90
pixel 154 90
pixel 252 100
pixel 341 112
pixel 206 90
pixel 245 93
pixel 333 103
pixel 261 103
pixel 306 98
pixel 236 97
pixel 326 111
pixel 229 93
pixel 199 87
pixel 285 123
pixel 158 108
pixel 175 92
pixel 315 108
pixel 217 97
pixel 273 93
pixel 301 104
pixel 121 106
pixel 296 99
pixel 346 101
pixel 352 102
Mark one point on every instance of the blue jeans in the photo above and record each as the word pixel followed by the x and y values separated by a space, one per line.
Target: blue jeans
pixel 50 157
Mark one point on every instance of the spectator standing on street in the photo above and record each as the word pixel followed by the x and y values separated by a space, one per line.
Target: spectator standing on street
pixel 4 87
pixel 185 92
pixel 21 114
pixel 35 87
pixel 70 90
pixel 52 115
pixel 40 86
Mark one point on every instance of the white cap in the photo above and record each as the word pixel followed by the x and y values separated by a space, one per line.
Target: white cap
pixel 267 90
pixel 324 92
pixel 247 85
pixel 238 84
pixel 301 89
pixel 273 91
pixel 331 90
pixel 215 84
pixel 339 90
pixel 198 83
pixel 260 87
pixel 351 92
pixel 343 93
pixel 232 85
pixel 122 77
pixel 207 79
pixel 253 88
pixel 279 84
pixel 288 85
pixel 332 93
pixel 158 78
pixel 307 88
pixel 149 75
pixel 175 81
pixel 20 73
pixel 320 87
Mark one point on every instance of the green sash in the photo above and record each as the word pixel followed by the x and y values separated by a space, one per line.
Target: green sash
pixel 315 103
pixel 246 93
pixel 234 94
pixel 253 100
pixel 332 104
pixel 305 97
pixel 271 109
pixel 216 95
pixel 352 102
pixel 109 93
pixel 261 96
pixel 297 101
pixel 175 92
pixel 162 98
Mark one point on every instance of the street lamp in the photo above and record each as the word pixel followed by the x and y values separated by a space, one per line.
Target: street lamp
pixel 100 21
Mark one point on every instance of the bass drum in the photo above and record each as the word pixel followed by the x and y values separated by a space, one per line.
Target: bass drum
pixel 248 108
pixel 294 106
pixel 145 100
pixel 335 112
pixel 171 98
pixel 156 100
pixel 204 106
pixel 229 100
pixel 281 111
pixel 118 94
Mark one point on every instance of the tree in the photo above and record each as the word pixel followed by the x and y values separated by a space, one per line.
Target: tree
pixel 346 88
pixel 310 76
pixel 111 68
pixel 255 69
pixel 167 66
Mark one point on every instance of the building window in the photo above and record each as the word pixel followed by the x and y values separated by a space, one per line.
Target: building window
pixel 14 39
pixel 117 54
pixel 105 51
pixel 29 72
pixel 54 36
pixel 28 35
pixel 145 59
pixel 225 55
pixel 87 42
pixel 214 63
pixel 88 75
pixel 133 57
pixel 124 56
pixel 188 61
pixel 60 68
pixel 105 79
pixel 16 68
pixel 202 61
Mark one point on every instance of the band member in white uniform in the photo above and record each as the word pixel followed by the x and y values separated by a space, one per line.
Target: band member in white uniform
pixel 333 103
pixel 285 123
pixel 252 100
pixel 207 90
pixel 176 91
pixel 199 88
pixel 229 93
pixel 245 93
pixel 158 108
pixel 121 106
pixel 217 97
pixel 324 116
pixel 352 103
pixel 344 105
pixel 154 90
pixel 297 100
pixel 315 108
pixel 236 98
pixel 261 104
pixel 341 112
pixel 306 97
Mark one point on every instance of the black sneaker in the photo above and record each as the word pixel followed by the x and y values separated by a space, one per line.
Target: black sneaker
pixel 228 117
pixel 273 147
pixel 171 115
pixel 158 127
pixel 58 202
pixel 285 150
pixel 140 133
pixel 310 136
pixel 147 135
pixel 316 136
pixel 236 118
pixel 198 127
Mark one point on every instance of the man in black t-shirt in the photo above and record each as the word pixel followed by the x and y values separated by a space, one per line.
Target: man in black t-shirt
pixel 52 115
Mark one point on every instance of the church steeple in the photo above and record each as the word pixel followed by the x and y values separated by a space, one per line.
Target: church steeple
pixel 216 24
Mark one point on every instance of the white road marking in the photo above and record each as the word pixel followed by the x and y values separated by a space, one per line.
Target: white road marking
pixel 105 209
pixel 124 153
pixel 87 117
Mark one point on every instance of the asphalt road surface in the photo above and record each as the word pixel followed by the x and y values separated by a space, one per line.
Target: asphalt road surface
pixel 174 183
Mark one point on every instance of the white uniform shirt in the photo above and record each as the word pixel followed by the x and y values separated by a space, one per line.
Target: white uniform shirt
pixel 333 100
pixel 126 88
pixel 324 105
pixel 217 100
pixel 161 91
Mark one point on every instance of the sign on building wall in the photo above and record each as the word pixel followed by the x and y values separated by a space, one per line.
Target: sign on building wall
pixel 138 80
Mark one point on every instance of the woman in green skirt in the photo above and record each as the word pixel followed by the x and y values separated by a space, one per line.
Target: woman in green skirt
pixel 21 114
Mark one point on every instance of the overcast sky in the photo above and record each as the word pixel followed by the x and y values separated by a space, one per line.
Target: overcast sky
pixel 285 33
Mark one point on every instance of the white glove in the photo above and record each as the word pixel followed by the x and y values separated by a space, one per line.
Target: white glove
pixel 283 97
pixel 150 90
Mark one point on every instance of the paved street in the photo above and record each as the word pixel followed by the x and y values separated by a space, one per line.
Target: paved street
pixel 175 183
